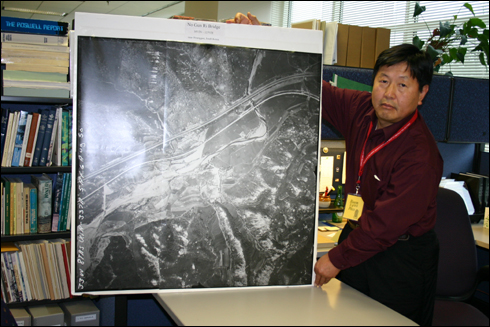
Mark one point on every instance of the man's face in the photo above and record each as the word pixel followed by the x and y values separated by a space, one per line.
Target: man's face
pixel 395 94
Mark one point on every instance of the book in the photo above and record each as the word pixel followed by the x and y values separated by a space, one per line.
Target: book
pixel 64 138
pixel 34 39
pixel 47 137
pixel 33 26
pixel 40 137
pixel 54 156
pixel 57 202
pixel 27 131
pixel 6 293
pixel 19 206
pixel 3 128
pixel 6 139
pixel 32 207
pixel 27 209
pixel 35 47
pixel 36 68
pixel 65 202
pixel 32 92
pixel 19 138
pixel 11 139
pixel 6 222
pixel 44 186
pixel 12 56
pixel 48 271
pixel 19 75
pixel 36 119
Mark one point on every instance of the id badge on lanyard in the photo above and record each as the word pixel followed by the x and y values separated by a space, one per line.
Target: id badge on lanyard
pixel 354 203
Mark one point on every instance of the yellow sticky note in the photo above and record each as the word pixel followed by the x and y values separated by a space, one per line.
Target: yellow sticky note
pixel 353 207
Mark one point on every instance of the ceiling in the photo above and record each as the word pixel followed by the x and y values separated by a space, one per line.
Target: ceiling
pixel 162 9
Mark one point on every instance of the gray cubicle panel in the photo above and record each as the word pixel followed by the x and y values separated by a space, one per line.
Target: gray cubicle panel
pixel 469 119
pixel 435 108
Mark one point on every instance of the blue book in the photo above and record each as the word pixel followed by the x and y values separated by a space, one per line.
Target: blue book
pixel 47 137
pixel 40 137
pixel 34 26
pixel 32 207
pixel 4 125
pixel 19 138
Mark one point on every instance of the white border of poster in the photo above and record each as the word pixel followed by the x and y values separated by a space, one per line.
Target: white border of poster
pixel 147 28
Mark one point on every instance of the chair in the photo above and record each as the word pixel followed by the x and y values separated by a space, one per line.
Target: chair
pixel 458 276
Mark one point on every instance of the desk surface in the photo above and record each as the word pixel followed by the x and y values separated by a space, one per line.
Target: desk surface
pixel 480 234
pixel 334 304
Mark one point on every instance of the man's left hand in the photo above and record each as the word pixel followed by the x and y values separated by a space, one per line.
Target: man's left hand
pixel 324 270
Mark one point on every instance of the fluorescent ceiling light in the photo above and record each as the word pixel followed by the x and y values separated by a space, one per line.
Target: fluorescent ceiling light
pixel 33 11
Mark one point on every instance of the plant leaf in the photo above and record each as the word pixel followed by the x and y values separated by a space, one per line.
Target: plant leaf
pixel 418 42
pixel 434 54
pixel 445 29
pixel 453 52
pixel 446 58
pixel 464 39
pixel 470 8
pixel 477 22
pixel 418 9
pixel 461 53
pixel 482 59
pixel 449 74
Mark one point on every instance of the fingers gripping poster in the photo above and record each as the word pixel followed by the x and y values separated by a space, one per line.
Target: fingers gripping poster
pixel 195 158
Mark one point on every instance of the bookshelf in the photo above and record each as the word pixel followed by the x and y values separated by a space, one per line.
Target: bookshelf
pixel 33 104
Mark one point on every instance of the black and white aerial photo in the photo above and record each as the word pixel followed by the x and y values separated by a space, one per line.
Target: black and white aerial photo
pixel 196 165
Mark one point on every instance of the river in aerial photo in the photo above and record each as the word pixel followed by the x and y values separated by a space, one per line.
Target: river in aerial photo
pixel 196 165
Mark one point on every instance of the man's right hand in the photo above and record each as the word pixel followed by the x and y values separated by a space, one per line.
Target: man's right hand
pixel 242 19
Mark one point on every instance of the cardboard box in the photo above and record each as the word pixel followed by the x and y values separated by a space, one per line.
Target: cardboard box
pixel 342 38
pixel 368 42
pixel 46 315
pixel 21 316
pixel 382 41
pixel 81 313
pixel 354 46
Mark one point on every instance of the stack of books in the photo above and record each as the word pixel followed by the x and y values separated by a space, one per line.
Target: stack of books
pixel 35 58
pixel 40 204
pixel 36 270
pixel 36 139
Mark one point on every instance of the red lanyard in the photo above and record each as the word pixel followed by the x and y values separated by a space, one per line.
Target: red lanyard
pixel 379 147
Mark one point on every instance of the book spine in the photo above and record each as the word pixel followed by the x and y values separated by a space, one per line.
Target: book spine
pixel 32 139
pixel 6 184
pixel 33 208
pixel 47 137
pixel 40 137
pixel 4 125
pixel 56 202
pixel 27 132
pixel 27 210
pixel 19 138
pixel 33 26
pixel 47 40
pixel 64 138
pixel 44 198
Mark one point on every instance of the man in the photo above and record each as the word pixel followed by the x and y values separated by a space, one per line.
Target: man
pixel 394 166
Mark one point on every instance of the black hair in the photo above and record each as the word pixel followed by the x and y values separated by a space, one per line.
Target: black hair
pixel 419 62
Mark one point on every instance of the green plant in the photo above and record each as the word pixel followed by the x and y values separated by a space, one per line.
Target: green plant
pixel 446 43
